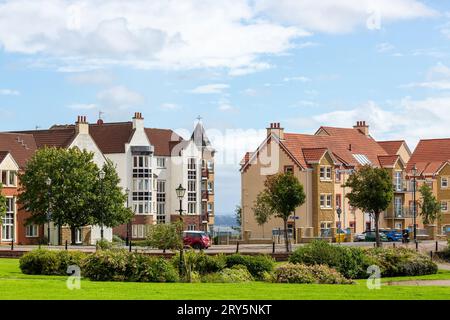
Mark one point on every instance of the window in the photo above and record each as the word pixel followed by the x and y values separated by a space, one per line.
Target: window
pixel 191 227
pixel 192 186
pixel 161 202
pixel 398 180
pixel 338 201
pixel 288 169
pixel 8 178
pixel 210 165
pixel 398 206
pixel 326 201
pixel 142 185
pixel 161 162
pixel 138 231
pixel 444 206
pixel 325 226
pixel 192 207
pixel 210 207
pixel 210 187
pixel 352 224
pixel 337 176
pixel 32 231
pixel 444 182
pixel 78 236
pixel 8 221
pixel 325 173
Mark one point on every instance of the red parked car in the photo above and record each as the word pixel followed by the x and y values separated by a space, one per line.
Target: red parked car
pixel 196 239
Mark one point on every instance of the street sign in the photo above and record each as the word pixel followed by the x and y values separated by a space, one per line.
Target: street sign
pixel 294 218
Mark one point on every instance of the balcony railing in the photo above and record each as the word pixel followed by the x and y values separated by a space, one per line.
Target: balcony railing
pixel 400 213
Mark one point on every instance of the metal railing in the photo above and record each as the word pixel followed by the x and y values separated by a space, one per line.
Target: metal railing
pixel 399 213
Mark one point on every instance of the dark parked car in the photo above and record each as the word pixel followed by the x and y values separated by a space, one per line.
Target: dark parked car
pixel 369 236
pixel 393 235
pixel 196 239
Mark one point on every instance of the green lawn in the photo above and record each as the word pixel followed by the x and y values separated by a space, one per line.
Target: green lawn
pixel 15 285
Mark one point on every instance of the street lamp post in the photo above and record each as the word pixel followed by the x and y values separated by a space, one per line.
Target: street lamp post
pixel 102 178
pixel 49 183
pixel 414 172
pixel 339 211
pixel 180 194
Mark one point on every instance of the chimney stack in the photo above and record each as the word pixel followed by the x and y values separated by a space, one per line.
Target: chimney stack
pixel 275 128
pixel 82 126
pixel 138 121
pixel 362 127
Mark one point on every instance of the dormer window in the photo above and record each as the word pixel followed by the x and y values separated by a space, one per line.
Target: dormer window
pixel 325 173
pixel 8 178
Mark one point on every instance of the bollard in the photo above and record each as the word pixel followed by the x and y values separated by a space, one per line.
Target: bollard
pixel 375 245
pixel 12 245
pixel 273 247
pixel 237 246
pixel 437 246
pixel 65 245
pixel 417 246
pixel 393 245
pixel 431 254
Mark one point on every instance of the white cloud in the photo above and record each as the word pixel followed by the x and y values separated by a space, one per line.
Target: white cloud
pixel 9 92
pixel 225 107
pixel 77 35
pixel 210 88
pixel 298 78
pixel 411 120
pixel 119 97
pixel 332 16
pixel 437 77
pixel 384 47
pixel 95 78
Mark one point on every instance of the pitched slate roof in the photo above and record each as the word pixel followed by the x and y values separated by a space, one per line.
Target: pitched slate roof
pixel 391 147
pixel 21 146
pixel 430 155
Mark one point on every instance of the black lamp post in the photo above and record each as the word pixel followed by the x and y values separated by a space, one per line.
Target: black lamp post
pixel 414 172
pixel 49 183
pixel 180 194
pixel 102 178
pixel 339 211
pixel 127 191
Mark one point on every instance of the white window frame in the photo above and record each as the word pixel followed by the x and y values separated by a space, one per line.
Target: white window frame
pixel 191 227
pixel 78 235
pixel 444 185
pixel 161 162
pixel 8 221
pixel 8 175
pixel 32 231
pixel 444 206
pixel 325 173
pixel 326 201
pixel 398 180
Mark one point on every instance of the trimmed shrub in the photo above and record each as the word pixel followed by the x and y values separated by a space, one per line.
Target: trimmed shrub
pixel 256 265
pixel 200 262
pixel 120 265
pixel 350 261
pixel 401 262
pixel 104 244
pixel 235 274
pixel 47 262
pixel 300 273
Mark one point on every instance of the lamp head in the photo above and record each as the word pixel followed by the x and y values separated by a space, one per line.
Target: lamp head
pixel 48 181
pixel 180 191
pixel 102 174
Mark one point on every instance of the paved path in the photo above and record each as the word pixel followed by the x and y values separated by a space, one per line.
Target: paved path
pixel 444 266
pixel 445 283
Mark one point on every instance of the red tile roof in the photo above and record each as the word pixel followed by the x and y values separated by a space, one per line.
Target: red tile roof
pixel 313 155
pixel 388 161
pixel 112 137
pixel 21 146
pixel 391 147
pixel 58 136
pixel 429 155
pixel 163 140
pixel 3 155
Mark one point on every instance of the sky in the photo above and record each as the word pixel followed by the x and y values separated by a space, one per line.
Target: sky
pixel 238 64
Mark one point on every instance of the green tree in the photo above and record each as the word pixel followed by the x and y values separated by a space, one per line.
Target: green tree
pixel 283 193
pixel 2 204
pixel 70 197
pixel 165 236
pixel 261 210
pixel 238 215
pixel 429 205
pixel 109 209
pixel 372 191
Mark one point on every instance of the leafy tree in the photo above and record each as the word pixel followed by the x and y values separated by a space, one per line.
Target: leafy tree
pixel 430 206
pixel 283 193
pixel 70 196
pixel 238 215
pixel 109 209
pixel 261 210
pixel 372 191
pixel 165 236
pixel 2 204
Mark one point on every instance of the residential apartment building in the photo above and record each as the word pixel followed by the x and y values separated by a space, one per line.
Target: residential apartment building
pixel 431 158
pixel 323 162
pixel 150 162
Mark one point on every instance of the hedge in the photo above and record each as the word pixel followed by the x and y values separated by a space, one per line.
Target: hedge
pixel 47 262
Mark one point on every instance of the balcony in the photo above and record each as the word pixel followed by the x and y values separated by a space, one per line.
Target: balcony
pixel 399 213
pixel 205 195
pixel 205 173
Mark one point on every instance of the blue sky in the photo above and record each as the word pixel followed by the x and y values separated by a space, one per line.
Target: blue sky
pixel 239 64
